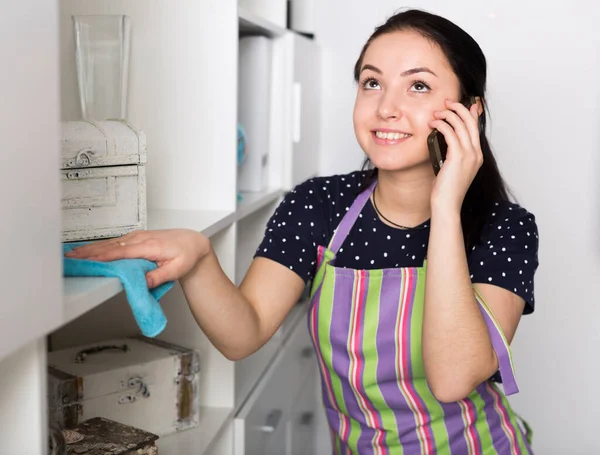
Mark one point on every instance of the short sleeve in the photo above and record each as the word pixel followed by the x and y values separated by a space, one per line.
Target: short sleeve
pixel 508 253
pixel 294 231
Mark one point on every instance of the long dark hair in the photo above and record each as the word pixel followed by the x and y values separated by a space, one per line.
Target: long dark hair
pixel 468 63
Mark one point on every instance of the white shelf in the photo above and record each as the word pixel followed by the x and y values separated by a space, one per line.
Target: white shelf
pixel 251 202
pixel 205 221
pixel 212 222
pixel 83 294
pixel 251 24
pixel 197 440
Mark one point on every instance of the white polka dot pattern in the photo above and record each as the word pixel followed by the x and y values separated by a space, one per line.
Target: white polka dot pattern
pixel 307 217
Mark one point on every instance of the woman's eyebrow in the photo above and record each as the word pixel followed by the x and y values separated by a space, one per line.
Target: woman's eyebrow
pixel 372 68
pixel 421 69
pixel 410 72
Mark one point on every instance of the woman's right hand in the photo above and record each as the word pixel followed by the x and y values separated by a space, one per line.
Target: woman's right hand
pixel 175 251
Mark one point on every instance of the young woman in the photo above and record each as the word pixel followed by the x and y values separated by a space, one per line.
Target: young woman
pixel 418 281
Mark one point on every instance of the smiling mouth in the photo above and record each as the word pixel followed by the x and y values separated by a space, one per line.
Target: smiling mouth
pixel 390 137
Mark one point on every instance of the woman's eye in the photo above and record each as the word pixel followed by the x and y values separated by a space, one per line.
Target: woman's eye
pixel 420 87
pixel 371 84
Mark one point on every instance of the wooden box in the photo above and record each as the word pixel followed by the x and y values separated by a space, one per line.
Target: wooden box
pixel 103 179
pixel 100 436
pixel 140 382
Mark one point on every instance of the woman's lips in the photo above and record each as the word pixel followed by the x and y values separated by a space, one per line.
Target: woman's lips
pixel 382 137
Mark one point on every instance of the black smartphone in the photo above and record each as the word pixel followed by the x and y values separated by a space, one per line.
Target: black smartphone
pixel 437 144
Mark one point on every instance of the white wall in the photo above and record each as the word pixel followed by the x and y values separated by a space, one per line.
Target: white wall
pixel 543 81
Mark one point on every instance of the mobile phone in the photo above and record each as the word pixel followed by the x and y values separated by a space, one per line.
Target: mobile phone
pixel 437 144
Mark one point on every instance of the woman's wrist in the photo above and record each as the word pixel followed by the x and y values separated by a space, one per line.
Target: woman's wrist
pixel 444 213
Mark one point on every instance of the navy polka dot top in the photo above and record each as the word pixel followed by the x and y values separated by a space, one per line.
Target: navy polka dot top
pixel 506 256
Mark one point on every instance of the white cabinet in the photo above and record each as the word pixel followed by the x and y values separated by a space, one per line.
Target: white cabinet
pixel 302 419
pixel 277 417
pixel 306 107
pixel 188 115
pixel 31 270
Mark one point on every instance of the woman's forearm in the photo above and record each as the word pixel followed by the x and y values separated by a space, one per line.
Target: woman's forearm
pixel 457 351
pixel 221 310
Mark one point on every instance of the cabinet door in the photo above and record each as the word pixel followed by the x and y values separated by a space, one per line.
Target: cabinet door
pixel 302 418
pixel 262 425
pixel 306 108
pixel 31 270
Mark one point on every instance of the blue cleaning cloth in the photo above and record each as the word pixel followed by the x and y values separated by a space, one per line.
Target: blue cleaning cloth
pixel 144 302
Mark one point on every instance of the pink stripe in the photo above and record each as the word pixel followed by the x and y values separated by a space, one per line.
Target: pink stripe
pixel 408 391
pixel 422 413
pixel 473 439
pixel 357 363
pixel 505 422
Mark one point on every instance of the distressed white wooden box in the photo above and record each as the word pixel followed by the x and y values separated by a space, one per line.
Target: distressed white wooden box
pixel 145 383
pixel 103 179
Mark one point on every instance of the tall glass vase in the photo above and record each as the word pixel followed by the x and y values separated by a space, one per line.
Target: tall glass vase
pixel 102 45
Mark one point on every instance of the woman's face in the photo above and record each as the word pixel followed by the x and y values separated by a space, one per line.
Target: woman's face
pixel 404 79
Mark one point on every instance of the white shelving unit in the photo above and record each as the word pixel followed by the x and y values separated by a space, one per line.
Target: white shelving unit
pixel 183 95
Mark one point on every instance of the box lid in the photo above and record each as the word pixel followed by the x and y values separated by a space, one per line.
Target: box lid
pixel 99 436
pixel 91 359
pixel 101 143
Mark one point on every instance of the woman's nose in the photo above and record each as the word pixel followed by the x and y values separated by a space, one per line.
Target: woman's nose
pixel 389 107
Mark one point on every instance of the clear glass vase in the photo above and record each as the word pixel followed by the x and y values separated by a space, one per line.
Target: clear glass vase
pixel 102 45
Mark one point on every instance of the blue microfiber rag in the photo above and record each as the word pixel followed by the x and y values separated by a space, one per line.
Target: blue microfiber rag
pixel 144 302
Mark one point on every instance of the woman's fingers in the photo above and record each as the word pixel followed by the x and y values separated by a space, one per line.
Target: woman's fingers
pixel 97 247
pixel 141 250
pixel 470 118
pixel 448 132
pixel 457 124
pixel 166 272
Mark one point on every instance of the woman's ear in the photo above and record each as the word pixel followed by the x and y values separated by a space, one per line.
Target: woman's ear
pixel 479 102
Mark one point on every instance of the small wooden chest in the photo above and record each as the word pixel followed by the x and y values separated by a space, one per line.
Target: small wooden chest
pixel 103 179
pixel 140 382
pixel 100 436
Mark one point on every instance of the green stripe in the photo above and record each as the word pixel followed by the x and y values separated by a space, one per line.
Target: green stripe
pixel 481 424
pixel 324 316
pixel 338 445
pixel 328 256
pixel 370 383
pixel 433 407
pixel 355 429
pixel 513 420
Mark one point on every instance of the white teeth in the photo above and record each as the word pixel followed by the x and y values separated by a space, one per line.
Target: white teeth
pixel 390 136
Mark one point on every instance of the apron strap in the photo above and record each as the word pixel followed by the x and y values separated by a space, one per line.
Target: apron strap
pixel 343 229
pixel 501 347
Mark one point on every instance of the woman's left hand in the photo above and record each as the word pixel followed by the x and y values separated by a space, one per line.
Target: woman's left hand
pixel 459 126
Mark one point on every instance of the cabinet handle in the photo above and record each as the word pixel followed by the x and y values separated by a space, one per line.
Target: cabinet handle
pixel 82 355
pixel 307 352
pixel 306 418
pixel 271 422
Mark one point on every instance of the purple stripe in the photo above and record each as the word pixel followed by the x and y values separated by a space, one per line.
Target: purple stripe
pixel 349 219
pixel 386 370
pixel 500 439
pixel 339 334
pixel 455 428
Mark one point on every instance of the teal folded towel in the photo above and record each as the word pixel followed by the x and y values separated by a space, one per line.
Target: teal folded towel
pixel 144 302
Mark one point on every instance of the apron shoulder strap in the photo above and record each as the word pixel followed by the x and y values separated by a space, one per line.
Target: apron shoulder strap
pixel 343 229
pixel 501 347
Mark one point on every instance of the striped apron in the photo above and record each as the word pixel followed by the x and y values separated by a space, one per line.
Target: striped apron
pixel 366 327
